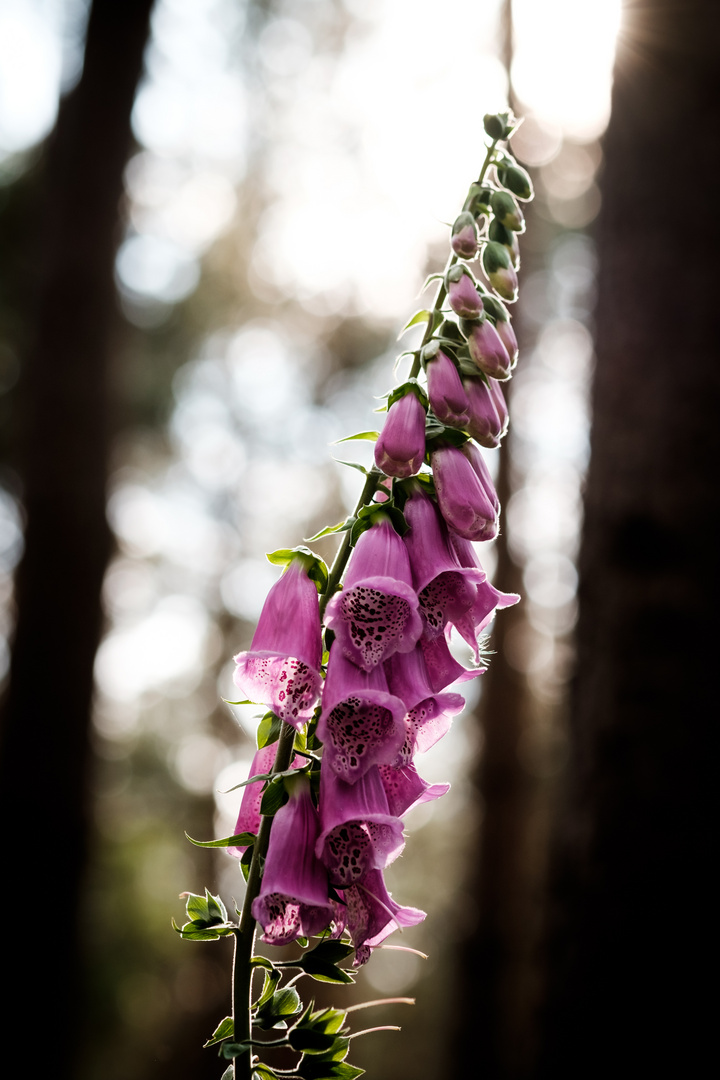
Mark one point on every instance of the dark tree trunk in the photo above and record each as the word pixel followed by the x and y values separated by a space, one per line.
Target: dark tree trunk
pixel 44 752
pixel 631 919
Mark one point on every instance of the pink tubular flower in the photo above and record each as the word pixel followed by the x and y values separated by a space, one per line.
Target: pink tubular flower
pixel 376 613
pixel 445 588
pixel 429 712
pixel 361 723
pixel 370 915
pixel 445 390
pixel 487 350
pixel 282 667
pixel 488 598
pixel 405 789
pixel 359 833
pixel 507 336
pixel 442 667
pixel 462 493
pixel 249 817
pixel 464 240
pixel 400 448
pixel 484 423
pixel 293 900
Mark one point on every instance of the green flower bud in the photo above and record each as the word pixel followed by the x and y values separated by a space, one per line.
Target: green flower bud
pixel 515 179
pixel 507 211
pixel 498 267
pixel 507 238
pixel 494 125
pixel 478 200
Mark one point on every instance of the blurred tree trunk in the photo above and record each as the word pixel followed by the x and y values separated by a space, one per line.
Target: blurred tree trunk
pixel 631 916
pixel 45 737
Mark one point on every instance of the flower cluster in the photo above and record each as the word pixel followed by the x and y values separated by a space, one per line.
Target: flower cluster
pixel 413 577
pixel 354 664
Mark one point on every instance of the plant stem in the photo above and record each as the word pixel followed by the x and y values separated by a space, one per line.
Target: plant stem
pixel 343 553
pixel 245 934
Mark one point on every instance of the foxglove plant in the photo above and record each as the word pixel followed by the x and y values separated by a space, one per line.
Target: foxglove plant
pixel 354 665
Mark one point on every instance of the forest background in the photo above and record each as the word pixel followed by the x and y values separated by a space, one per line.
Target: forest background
pixel 214 218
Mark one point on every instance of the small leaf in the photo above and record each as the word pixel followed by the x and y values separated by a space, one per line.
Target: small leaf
pixel 369 436
pixel 309 1041
pixel 272 978
pixel 224 1030
pixel 341 526
pixel 352 465
pixel 247 701
pixel 332 952
pixel 262 1072
pixel 261 961
pixel 239 840
pixel 274 797
pixel 421 316
pixel 230 1050
pixel 229 1073
pixel 268 730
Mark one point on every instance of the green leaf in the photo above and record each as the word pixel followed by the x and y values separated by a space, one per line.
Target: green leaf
pixel 352 465
pixel 262 1072
pixel 313 1068
pixel 341 526
pixel 332 952
pixel 229 1073
pixel 328 1020
pixel 246 860
pixel 247 701
pixel 261 961
pixel 278 1007
pixel 369 436
pixel 272 978
pixel 329 973
pixel 310 1041
pixel 273 798
pixel 268 730
pixel 421 316
pixel 239 840
pixel 230 1050
pixel 224 1030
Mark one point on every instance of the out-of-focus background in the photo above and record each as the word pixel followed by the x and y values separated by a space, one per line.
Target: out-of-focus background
pixel 215 216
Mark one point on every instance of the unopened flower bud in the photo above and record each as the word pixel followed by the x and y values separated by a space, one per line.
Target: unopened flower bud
pixel 401 447
pixel 499 313
pixel 494 126
pixel 483 423
pixel 507 211
pixel 500 404
pixel 515 179
pixel 487 350
pixel 498 267
pixel 508 239
pixel 447 397
pixel 464 238
pixel 465 492
pixel 462 293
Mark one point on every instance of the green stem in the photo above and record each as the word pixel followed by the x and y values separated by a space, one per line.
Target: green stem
pixel 442 289
pixel 245 934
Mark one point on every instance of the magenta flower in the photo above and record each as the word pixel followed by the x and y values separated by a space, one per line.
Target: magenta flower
pixel 361 723
pixel 376 613
pixel 400 448
pixel 370 915
pixel 442 667
pixel 249 817
pixel 466 500
pixel 500 404
pixel 487 350
pixel 405 788
pixel 445 390
pixel 359 833
pixel 429 712
pixel 463 295
pixel 488 599
pixel 282 667
pixel 484 423
pixel 507 336
pixel 293 900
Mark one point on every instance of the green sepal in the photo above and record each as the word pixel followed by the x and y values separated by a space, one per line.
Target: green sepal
pixel 494 124
pixel 198 931
pixel 263 1072
pixel 515 179
pixel 313 1068
pixel 422 316
pixel 229 1073
pixel 224 1030
pixel 309 1041
pixel 329 1020
pixel 495 309
pixel 272 978
pixel 368 436
pixel 279 1007
pixel 245 862
pixel 268 730
pixel 352 465
pixel 314 566
pixel 208 909
pixel 342 526
pixel 449 436
pixel 239 840
pixel 411 386
pixel 367 516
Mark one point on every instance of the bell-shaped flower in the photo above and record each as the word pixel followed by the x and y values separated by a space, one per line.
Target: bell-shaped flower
pixel 249 817
pixel 487 350
pixel 445 588
pixel 293 900
pixel 466 500
pixel 488 599
pixel 359 833
pixel 370 915
pixel 484 423
pixel 282 667
pixel 442 667
pixel 446 392
pixel 376 612
pixel 429 711
pixel 463 293
pixel 361 723
pixel 400 448
pixel 405 788
pixel 499 269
